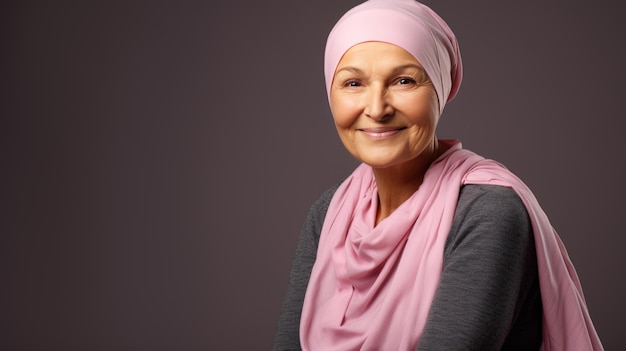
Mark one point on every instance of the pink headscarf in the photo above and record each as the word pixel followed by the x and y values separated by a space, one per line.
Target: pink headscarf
pixel 409 25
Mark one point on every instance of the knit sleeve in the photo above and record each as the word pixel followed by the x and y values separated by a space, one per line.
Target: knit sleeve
pixel 288 334
pixel 488 297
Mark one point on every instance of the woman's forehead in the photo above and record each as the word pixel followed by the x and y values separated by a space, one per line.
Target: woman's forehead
pixel 377 52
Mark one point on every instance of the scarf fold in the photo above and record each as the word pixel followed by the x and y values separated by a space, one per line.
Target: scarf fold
pixel 371 287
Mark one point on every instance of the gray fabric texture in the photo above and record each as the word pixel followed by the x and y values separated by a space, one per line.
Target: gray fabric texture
pixel 488 297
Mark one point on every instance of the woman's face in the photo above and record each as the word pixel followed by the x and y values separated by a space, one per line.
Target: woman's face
pixel 384 106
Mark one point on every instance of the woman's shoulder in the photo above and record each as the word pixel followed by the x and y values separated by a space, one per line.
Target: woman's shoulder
pixel 492 215
pixel 491 199
pixel 320 206
pixel 317 212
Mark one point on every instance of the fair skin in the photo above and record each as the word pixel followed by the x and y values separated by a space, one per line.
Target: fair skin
pixel 386 111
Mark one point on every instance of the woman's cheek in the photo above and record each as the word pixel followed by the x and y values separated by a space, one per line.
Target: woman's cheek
pixel 345 112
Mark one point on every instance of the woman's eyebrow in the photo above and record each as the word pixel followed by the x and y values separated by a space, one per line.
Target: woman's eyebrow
pixel 396 69
pixel 407 66
pixel 350 69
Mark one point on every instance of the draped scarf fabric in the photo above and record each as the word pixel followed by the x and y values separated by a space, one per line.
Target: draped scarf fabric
pixel 371 287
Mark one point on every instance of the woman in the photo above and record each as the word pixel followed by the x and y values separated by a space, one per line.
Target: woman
pixel 425 245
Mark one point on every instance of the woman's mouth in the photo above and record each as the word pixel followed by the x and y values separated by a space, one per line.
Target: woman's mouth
pixel 380 133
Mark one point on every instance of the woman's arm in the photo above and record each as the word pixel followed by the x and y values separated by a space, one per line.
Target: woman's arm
pixel 488 297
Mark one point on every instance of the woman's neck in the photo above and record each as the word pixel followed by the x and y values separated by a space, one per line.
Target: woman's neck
pixel 397 183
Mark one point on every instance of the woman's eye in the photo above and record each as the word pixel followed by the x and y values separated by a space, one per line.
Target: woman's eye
pixel 352 83
pixel 406 81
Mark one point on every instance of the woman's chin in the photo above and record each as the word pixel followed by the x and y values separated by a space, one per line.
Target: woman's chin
pixel 380 162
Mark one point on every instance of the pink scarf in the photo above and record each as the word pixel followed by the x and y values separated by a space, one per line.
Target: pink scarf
pixel 371 287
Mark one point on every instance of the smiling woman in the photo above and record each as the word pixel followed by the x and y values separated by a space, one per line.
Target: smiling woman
pixel 425 245
pixel 386 111
pixel 384 106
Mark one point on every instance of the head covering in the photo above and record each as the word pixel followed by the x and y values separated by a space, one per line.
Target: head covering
pixel 405 23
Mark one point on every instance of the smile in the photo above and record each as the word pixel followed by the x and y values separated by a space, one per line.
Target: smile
pixel 381 133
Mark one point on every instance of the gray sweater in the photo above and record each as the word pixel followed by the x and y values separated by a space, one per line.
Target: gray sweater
pixel 488 297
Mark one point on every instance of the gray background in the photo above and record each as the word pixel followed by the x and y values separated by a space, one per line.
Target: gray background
pixel 158 158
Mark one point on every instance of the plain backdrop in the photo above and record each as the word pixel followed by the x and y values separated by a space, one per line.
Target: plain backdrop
pixel 158 158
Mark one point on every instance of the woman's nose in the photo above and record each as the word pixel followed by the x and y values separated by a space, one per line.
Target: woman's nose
pixel 377 105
